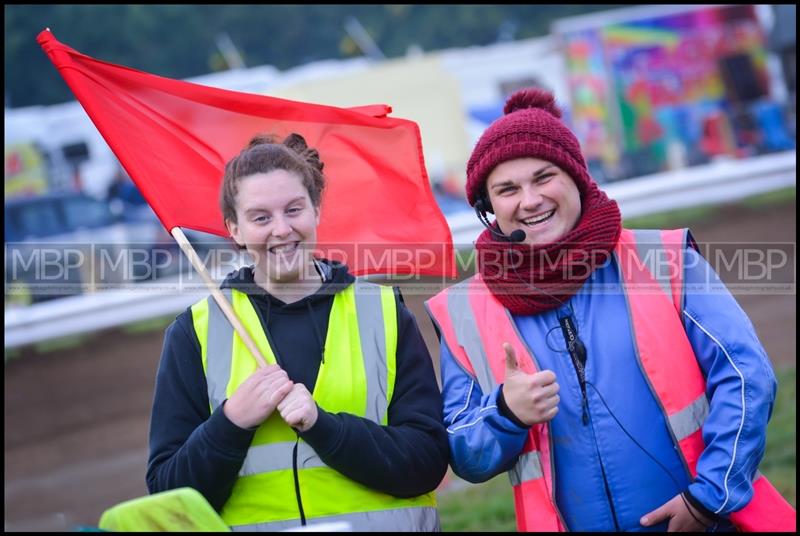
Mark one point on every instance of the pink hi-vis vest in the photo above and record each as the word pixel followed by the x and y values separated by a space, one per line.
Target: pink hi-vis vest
pixel 474 324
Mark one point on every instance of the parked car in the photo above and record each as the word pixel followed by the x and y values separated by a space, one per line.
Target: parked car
pixel 216 252
pixel 62 244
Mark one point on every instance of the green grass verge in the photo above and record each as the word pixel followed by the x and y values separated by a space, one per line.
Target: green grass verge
pixel 74 341
pixel 63 343
pixel 479 508
pixel 783 195
pixel 691 216
pixel 490 506
pixel 152 324
pixel 685 217
pixel 780 458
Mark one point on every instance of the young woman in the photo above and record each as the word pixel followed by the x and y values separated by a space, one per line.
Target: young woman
pixel 345 422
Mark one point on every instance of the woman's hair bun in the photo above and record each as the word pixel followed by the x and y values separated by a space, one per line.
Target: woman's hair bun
pixel 297 143
pixel 532 98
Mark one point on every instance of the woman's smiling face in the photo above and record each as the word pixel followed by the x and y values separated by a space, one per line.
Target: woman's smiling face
pixel 276 222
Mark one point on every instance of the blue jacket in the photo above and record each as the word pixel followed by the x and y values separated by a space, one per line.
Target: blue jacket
pixel 622 464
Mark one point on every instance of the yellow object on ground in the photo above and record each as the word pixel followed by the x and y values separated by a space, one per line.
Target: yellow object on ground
pixel 177 510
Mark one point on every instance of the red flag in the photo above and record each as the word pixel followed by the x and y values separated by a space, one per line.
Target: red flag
pixel 173 138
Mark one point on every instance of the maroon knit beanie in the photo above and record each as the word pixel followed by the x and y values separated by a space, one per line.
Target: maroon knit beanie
pixel 531 127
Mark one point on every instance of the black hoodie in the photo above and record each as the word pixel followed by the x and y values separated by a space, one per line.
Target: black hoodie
pixel 191 447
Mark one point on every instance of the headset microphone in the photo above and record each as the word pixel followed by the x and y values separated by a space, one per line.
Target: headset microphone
pixel 517 235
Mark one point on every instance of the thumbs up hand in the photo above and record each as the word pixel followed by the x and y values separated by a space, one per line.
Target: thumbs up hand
pixel 533 398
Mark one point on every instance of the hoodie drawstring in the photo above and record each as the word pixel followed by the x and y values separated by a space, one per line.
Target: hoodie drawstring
pixel 320 340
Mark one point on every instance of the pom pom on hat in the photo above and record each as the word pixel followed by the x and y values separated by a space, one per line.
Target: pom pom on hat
pixel 532 98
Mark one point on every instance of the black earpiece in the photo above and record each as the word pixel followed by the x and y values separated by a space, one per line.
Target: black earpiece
pixel 483 205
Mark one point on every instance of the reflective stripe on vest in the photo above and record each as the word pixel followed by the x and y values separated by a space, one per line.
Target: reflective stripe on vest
pixel 651 266
pixel 357 377
pixel 472 322
pixel 528 467
pixel 468 336
pixel 422 519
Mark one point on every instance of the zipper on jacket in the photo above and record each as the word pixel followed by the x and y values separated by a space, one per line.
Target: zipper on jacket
pixel 608 492
pixel 297 483
pixel 577 351
pixel 605 481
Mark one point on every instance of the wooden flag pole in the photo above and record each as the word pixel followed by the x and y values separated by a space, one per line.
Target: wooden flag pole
pixel 224 304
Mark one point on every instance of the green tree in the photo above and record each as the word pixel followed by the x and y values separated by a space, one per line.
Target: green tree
pixel 179 41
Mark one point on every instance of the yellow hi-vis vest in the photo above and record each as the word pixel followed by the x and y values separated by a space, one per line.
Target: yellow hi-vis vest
pixel 474 325
pixel 282 474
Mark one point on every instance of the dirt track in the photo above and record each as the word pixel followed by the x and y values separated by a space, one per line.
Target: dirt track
pixel 76 421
